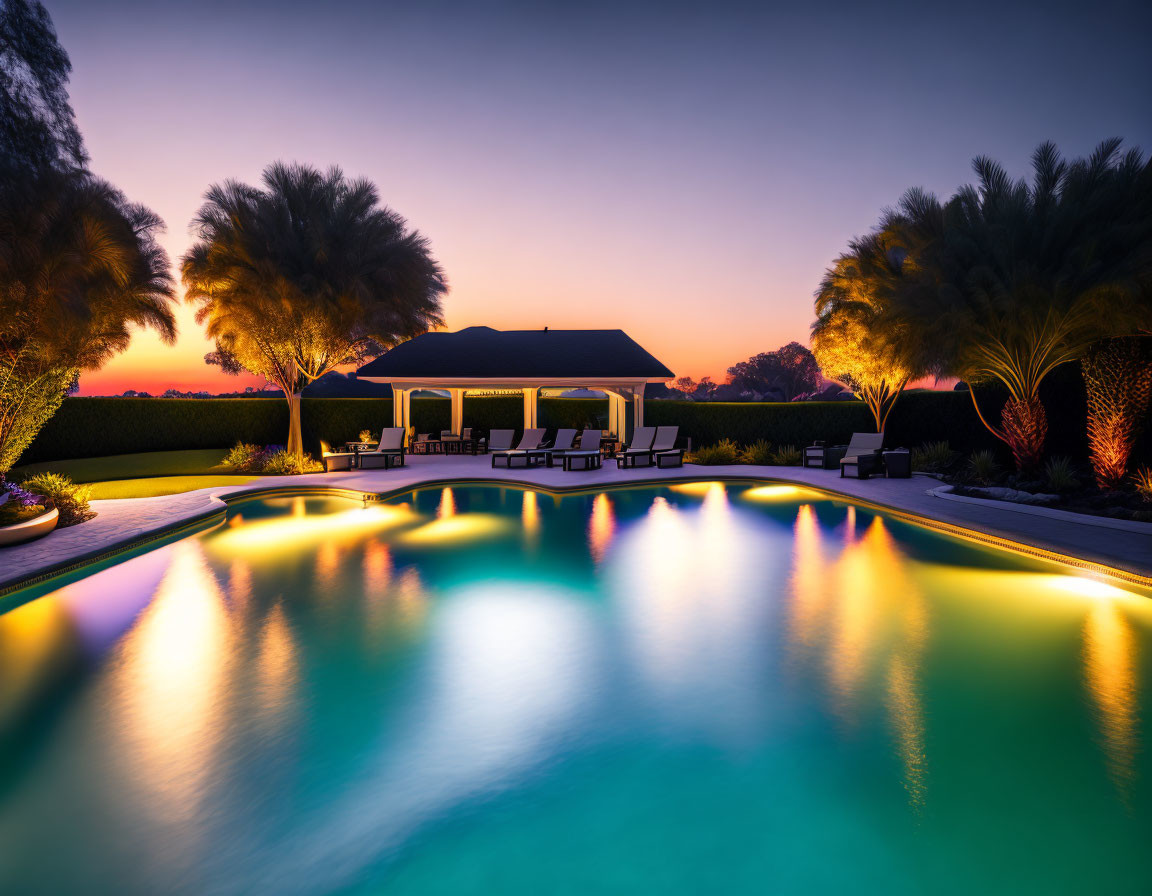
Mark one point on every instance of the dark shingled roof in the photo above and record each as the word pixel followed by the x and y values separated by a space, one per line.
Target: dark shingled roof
pixel 484 353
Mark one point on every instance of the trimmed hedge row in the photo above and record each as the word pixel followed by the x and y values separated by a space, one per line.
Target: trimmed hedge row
pixel 94 427
pixel 98 427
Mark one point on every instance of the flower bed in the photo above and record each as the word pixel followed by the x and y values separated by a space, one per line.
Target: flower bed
pixel 24 515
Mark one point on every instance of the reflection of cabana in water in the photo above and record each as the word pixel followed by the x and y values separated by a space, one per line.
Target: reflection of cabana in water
pixel 524 361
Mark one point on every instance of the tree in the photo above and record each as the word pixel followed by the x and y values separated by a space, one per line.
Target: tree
pixel 306 275
pixel 848 340
pixel 790 370
pixel 37 127
pixel 1009 279
pixel 701 390
pixel 79 267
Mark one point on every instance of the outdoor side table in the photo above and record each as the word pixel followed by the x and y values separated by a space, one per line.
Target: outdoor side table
pixel 833 454
pixel 357 447
pixel 898 464
pixel 609 446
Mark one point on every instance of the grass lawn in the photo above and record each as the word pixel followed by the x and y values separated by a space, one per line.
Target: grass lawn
pixel 161 485
pixel 144 475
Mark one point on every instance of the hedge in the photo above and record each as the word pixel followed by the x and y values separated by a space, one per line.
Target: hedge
pixel 93 427
pixel 97 427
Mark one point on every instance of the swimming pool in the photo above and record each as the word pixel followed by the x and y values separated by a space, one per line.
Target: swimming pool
pixel 702 687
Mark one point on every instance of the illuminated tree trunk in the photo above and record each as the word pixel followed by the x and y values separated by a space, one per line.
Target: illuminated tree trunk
pixel 1025 426
pixel 880 400
pixel 295 438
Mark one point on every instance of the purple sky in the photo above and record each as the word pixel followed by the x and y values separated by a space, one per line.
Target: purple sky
pixel 685 173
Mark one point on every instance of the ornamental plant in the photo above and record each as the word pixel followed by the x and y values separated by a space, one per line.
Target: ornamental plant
pixel 1118 377
pixel 71 500
pixel 1008 279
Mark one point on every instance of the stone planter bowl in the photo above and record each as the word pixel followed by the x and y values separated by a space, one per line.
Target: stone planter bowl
pixel 26 530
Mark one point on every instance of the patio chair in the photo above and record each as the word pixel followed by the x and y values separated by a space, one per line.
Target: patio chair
pixel 862 457
pixel 498 440
pixel 389 453
pixel 528 442
pixel 639 448
pixel 664 450
pixel 335 460
pixel 425 444
pixel 819 454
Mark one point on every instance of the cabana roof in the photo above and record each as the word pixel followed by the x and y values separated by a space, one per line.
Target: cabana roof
pixel 481 353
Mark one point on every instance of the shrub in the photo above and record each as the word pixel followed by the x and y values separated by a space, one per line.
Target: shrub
pixel 982 466
pixel 70 499
pixel 723 452
pixel 1143 478
pixel 934 457
pixel 284 463
pixel 246 458
pixel 759 453
pixel 1061 475
pixel 787 456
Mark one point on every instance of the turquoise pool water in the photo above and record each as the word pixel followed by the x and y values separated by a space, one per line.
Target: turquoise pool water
pixel 681 690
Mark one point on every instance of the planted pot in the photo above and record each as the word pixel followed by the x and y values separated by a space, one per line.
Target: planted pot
pixel 26 530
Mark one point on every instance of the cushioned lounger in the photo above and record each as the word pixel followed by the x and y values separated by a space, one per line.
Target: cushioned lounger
pixel 530 440
pixel 389 453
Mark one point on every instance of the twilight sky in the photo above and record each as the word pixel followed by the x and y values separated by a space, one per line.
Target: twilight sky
pixel 682 171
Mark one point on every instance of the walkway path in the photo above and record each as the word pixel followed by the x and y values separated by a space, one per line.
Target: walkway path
pixel 124 522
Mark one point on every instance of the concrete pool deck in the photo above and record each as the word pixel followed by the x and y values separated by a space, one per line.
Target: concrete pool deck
pixel 123 523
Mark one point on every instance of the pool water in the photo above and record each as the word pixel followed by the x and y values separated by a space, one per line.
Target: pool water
pixel 700 688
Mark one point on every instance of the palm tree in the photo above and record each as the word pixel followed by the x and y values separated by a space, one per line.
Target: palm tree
pixel 853 341
pixel 305 275
pixel 1010 279
pixel 79 269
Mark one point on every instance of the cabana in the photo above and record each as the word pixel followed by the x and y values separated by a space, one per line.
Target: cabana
pixel 524 361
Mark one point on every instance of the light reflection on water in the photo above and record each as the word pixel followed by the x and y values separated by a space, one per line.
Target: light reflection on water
pixel 449 687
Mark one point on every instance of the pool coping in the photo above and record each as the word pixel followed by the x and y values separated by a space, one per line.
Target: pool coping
pixel 218 498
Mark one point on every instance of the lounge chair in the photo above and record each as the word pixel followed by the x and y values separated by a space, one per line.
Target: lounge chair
pixel 565 441
pixel 498 440
pixel 818 454
pixel 587 456
pixel 862 456
pixel 529 441
pixel 664 450
pixel 640 448
pixel 389 453
pixel 335 460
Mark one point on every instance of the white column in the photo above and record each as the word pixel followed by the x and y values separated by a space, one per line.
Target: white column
pixel 398 416
pixel 457 411
pixel 638 407
pixel 530 408
pixel 616 412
